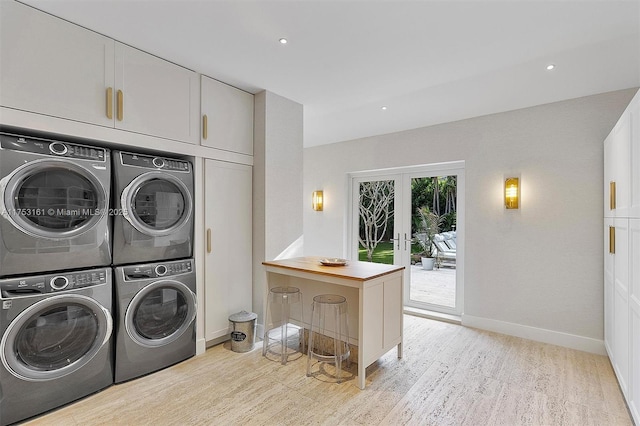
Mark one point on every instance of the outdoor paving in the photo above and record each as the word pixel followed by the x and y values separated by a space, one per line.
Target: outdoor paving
pixel 436 287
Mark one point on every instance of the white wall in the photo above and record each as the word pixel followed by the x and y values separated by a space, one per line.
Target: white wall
pixel 540 266
pixel 277 184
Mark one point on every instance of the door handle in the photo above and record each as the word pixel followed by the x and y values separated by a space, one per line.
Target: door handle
pixel 612 195
pixel 209 240
pixel 120 112
pixel 612 239
pixel 397 240
pixel 405 240
pixel 205 126
pixel 110 103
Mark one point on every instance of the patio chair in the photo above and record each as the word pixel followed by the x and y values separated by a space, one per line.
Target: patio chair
pixel 446 255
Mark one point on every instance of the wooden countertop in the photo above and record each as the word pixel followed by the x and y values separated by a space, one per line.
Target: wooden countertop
pixel 354 270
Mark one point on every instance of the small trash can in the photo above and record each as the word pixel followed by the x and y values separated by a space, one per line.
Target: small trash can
pixel 243 328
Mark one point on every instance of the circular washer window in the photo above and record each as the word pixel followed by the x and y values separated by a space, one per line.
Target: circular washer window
pixel 156 204
pixel 159 204
pixel 160 313
pixel 53 199
pixel 55 337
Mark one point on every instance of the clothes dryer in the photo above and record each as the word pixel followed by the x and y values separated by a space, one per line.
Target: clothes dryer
pixel 54 199
pixel 153 218
pixel 156 309
pixel 56 340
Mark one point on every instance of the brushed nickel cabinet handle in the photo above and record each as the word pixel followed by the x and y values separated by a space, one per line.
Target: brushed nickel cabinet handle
pixel 120 113
pixel 612 195
pixel 612 239
pixel 209 240
pixel 205 126
pixel 110 103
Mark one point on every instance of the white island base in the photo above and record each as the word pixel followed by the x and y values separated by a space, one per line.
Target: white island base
pixel 374 298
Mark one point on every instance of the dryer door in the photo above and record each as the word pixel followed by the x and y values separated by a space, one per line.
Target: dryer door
pixel 55 337
pixel 53 199
pixel 160 313
pixel 156 204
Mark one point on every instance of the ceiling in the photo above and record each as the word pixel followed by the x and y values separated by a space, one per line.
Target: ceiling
pixel 428 62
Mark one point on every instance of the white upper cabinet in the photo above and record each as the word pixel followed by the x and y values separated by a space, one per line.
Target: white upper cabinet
pixel 634 190
pixel 227 117
pixel 616 169
pixel 52 67
pixel 155 97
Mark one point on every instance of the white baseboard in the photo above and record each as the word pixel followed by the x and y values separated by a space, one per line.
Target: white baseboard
pixel 201 346
pixel 559 338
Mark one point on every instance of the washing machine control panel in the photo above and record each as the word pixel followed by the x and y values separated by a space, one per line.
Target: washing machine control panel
pixel 52 148
pixel 26 286
pixel 157 270
pixel 152 162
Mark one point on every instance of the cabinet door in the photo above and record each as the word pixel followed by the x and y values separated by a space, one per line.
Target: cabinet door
pixel 634 190
pixel 634 312
pixel 158 98
pixel 228 261
pixel 616 168
pixel 608 288
pixel 50 66
pixel 621 304
pixel 393 311
pixel 229 117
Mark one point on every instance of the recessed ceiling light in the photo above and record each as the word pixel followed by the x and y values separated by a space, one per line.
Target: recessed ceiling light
pixel 283 41
pixel 550 67
pixel 384 108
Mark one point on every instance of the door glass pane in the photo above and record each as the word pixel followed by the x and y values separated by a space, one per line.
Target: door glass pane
pixel 161 313
pixel 433 254
pixel 376 223
pixel 57 337
pixel 57 199
pixel 159 203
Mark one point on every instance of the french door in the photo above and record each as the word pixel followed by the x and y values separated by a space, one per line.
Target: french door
pixel 413 217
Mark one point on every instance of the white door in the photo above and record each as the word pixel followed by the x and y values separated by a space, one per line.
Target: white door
pixel 385 227
pixel 621 303
pixel 634 320
pixel 52 67
pixel 228 259
pixel 227 117
pixel 156 97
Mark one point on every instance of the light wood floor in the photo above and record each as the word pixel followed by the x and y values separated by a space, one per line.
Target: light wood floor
pixel 450 375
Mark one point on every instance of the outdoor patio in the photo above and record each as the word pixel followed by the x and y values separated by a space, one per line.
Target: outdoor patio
pixel 437 287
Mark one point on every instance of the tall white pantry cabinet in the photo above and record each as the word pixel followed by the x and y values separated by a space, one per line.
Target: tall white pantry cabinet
pixel 622 252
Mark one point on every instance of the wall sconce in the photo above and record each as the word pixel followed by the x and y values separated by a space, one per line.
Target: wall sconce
pixel 512 193
pixel 318 200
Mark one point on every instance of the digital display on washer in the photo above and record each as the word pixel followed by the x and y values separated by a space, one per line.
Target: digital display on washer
pixel 152 162
pixel 50 147
pixel 157 270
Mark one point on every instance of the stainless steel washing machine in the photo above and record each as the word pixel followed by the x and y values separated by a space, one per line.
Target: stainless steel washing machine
pixel 56 342
pixel 156 309
pixel 54 199
pixel 153 208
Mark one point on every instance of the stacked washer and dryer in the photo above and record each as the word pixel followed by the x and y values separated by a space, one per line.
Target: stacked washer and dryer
pixel 97 282
pixel 155 283
pixel 55 276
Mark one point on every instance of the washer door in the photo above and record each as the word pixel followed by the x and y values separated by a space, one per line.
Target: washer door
pixel 54 199
pixel 156 204
pixel 160 313
pixel 55 337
